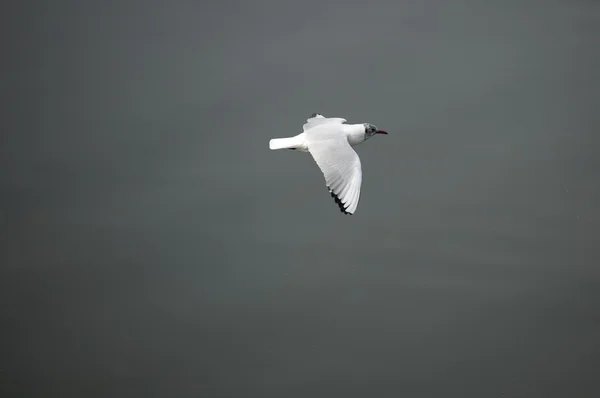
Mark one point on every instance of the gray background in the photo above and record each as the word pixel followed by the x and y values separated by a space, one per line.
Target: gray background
pixel 153 246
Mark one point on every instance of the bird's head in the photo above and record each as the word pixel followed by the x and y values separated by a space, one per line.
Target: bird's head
pixel 371 130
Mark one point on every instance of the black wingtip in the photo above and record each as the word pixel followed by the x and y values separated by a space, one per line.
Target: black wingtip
pixel 338 202
pixel 313 115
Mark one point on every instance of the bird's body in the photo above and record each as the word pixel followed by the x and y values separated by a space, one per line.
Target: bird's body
pixel 330 142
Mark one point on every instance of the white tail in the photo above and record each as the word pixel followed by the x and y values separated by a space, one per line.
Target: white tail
pixel 286 143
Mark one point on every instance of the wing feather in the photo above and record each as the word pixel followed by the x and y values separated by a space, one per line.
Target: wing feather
pixel 341 168
pixel 316 119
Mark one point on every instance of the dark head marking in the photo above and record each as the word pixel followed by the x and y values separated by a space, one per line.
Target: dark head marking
pixel 370 130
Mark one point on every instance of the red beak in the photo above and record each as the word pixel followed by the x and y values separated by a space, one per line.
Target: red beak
pixel 381 132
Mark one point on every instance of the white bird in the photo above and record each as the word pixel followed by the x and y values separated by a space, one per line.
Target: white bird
pixel 330 143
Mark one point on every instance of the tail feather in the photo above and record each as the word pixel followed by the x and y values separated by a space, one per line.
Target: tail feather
pixel 285 143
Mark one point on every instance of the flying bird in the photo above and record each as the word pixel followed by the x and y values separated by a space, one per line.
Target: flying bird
pixel 330 142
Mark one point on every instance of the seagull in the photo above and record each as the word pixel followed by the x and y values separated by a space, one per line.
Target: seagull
pixel 330 142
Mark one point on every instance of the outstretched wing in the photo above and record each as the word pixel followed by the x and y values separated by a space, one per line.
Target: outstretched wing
pixel 316 119
pixel 341 168
pixel 315 116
